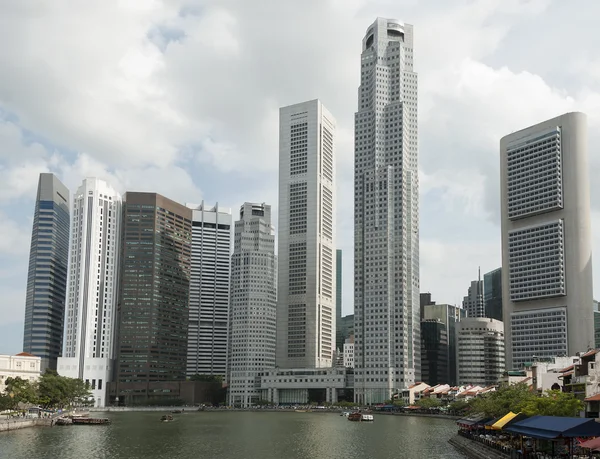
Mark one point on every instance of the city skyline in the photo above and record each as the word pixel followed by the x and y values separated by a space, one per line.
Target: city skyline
pixel 31 143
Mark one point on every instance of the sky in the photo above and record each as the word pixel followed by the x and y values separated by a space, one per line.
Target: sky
pixel 181 97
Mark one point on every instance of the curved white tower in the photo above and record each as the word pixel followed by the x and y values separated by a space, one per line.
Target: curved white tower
pixel 93 286
pixel 386 216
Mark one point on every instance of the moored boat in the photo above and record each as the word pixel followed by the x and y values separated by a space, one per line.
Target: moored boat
pixel 166 418
pixel 360 417
pixel 89 421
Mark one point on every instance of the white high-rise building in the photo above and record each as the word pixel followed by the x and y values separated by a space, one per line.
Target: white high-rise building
pixel 387 344
pixel 546 240
pixel 306 250
pixel 253 307
pixel 93 287
pixel 209 291
pixel 480 351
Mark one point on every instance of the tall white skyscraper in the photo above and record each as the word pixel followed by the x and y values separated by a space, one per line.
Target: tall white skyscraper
pixel 386 216
pixel 546 240
pixel 253 306
pixel 93 287
pixel 209 291
pixel 306 250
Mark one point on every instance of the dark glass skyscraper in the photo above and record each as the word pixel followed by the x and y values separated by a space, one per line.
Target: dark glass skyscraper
pixel 153 304
pixel 435 352
pixel 47 276
pixel 492 294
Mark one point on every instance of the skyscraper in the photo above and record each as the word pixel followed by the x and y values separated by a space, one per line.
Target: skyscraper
pixel 473 302
pixel 386 216
pixel 209 291
pixel 492 294
pixel 434 352
pixel 546 240
pixel 47 276
pixel 154 295
pixel 307 262
pixel 480 351
pixel 253 303
pixel 93 287
pixel 339 338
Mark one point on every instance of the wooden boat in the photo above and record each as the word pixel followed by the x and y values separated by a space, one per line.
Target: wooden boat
pixel 90 421
pixel 166 418
pixel 63 422
pixel 356 417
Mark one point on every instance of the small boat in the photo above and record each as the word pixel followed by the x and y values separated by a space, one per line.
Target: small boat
pixel 366 418
pixel 166 418
pixel 359 417
pixel 63 422
pixel 345 413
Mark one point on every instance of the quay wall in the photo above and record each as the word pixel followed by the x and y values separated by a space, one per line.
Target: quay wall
pixel 475 450
pixel 14 424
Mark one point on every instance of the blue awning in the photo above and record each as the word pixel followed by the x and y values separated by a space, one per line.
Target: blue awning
pixel 549 427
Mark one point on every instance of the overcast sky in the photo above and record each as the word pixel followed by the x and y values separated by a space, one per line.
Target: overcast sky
pixel 181 97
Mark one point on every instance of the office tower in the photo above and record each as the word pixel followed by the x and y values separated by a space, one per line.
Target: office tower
pixel 93 287
pixel 480 350
pixel 339 339
pixel 546 240
pixel 154 295
pixel 492 294
pixel 449 315
pixel 307 261
pixel 209 291
pixel 434 352
pixel 424 300
pixel 47 275
pixel 386 216
pixel 473 302
pixel 253 312
pixel 596 325
pixel 348 359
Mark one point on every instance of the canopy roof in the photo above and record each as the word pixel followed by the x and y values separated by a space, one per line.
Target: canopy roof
pixel 548 427
pixel 503 420
pixel 478 419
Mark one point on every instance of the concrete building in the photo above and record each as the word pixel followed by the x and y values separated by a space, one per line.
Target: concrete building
pixel 596 325
pixel 306 245
pixel 24 365
pixel 492 294
pixel 546 240
pixel 424 300
pixel 349 352
pixel 386 216
pixel 154 292
pixel 253 309
pixel 209 290
pixel 435 352
pixel 93 287
pixel 480 351
pixel 449 315
pixel 47 275
pixel 339 338
pixel 473 302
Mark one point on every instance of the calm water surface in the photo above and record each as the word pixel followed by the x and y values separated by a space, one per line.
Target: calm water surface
pixel 239 435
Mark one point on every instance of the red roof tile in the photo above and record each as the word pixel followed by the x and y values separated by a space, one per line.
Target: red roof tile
pixel 593 398
pixel 592 352
pixel 569 368
pixel 25 354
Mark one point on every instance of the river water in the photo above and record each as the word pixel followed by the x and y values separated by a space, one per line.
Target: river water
pixel 237 435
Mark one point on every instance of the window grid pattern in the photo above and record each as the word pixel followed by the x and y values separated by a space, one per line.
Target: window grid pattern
pixel 299 148
pixel 298 207
pixel 541 333
pixel 536 262
pixel 534 176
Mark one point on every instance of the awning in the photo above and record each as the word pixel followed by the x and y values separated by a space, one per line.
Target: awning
pixel 503 420
pixel 548 427
pixel 470 420
pixel 594 444
pixel 490 423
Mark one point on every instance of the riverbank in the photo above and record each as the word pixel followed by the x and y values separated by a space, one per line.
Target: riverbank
pixel 475 450
pixel 7 425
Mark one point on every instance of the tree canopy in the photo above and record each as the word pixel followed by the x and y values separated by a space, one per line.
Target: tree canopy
pixel 428 403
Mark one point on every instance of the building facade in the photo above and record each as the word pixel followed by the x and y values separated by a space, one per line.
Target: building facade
pixel 480 351
pixel 253 310
pixel 48 272
pixel 596 325
pixel 450 316
pixel 306 294
pixel 91 314
pixel 24 365
pixel 349 352
pixel 339 339
pixel 546 240
pixel 154 294
pixel 435 352
pixel 492 294
pixel 386 216
pixel 473 302
pixel 209 291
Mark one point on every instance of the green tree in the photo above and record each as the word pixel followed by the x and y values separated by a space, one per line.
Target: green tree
pixel 20 391
pixel 428 403
pixel 399 403
pixel 553 403
pixel 458 406
pixel 506 398
pixel 206 378
pixel 59 391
